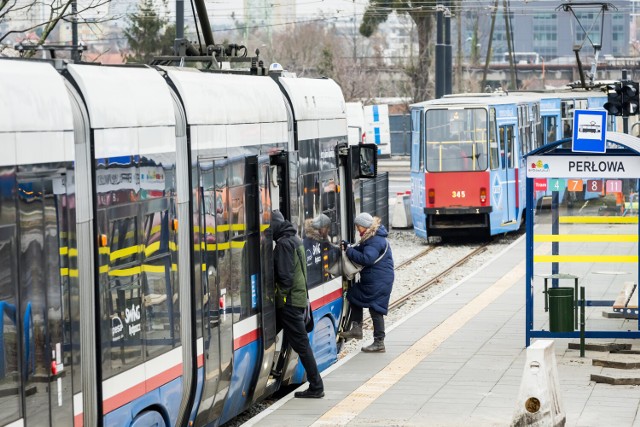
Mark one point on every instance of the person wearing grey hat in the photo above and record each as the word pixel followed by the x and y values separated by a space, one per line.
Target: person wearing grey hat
pixel 373 291
pixel 364 220
pixel 319 250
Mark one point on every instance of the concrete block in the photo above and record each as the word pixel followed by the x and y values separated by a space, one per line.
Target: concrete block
pixel 401 217
pixel 539 401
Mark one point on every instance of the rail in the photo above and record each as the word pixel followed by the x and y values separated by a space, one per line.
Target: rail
pixel 430 282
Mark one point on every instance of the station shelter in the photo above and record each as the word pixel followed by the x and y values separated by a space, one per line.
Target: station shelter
pixel 582 232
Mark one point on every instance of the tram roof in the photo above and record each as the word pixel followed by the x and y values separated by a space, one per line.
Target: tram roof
pixel 476 99
pixel 626 144
pixel 508 97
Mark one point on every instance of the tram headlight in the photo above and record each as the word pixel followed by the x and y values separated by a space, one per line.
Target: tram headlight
pixel 483 195
pixel 432 196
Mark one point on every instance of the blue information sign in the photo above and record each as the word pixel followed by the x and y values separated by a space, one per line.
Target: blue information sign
pixel 589 131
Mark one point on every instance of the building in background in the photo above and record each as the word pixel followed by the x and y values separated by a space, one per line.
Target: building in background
pixel 538 27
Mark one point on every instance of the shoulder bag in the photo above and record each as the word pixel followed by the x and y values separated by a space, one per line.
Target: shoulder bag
pixel 350 269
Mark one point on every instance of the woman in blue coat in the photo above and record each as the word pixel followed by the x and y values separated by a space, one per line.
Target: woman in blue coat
pixel 376 279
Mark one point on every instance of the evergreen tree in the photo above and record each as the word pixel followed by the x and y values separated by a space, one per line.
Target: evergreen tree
pixel 148 34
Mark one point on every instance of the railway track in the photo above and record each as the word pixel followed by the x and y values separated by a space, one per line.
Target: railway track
pixel 424 286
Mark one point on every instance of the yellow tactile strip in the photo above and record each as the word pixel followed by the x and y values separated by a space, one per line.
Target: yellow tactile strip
pixel 352 405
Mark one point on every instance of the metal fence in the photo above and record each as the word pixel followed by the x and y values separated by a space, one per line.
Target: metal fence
pixel 375 197
pixel 400 130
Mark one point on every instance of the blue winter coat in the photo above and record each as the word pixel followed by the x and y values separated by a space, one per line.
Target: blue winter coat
pixel 376 280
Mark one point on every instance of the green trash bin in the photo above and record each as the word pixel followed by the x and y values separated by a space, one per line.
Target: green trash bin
pixel 561 308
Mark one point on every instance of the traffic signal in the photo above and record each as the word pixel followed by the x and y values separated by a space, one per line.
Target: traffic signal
pixel 623 98
pixel 631 98
pixel 615 99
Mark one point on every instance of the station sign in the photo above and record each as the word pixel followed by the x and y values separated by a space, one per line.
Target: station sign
pixel 583 166
pixel 589 131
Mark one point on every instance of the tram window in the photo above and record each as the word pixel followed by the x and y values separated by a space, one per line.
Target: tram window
pixel 156 233
pixel 310 234
pixel 550 125
pixel 122 299
pixel 493 143
pixel 124 241
pixel 160 290
pixel 421 137
pixel 503 153
pixel 510 148
pixel 417 160
pixel 310 192
pixel 330 251
pixel 239 285
pixel 9 366
pixel 434 156
pixel 122 333
pixel 456 139
pixel 567 129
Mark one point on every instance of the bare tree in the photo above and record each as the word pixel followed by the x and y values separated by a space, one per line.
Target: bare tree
pixel 315 50
pixel 50 14
pixel 300 48
pixel 421 12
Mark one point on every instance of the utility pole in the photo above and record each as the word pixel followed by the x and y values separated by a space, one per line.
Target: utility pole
pixel 507 30
pixel 448 54
pixel 486 62
pixel 443 50
pixel 179 45
pixel 75 53
pixel 354 32
pixel 439 53
pixel 459 53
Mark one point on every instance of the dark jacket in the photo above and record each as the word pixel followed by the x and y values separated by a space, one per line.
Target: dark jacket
pixel 376 279
pixel 290 269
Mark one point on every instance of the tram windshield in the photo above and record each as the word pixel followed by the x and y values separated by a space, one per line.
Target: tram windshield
pixel 456 140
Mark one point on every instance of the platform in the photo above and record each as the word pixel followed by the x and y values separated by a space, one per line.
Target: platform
pixel 458 361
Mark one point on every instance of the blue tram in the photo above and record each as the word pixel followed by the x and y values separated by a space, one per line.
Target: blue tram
pixel 136 281
pixel 466 156
pixel 467 153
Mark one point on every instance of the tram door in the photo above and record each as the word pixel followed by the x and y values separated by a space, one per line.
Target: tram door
pixel 260 246
pixel 43 275
pixel 506 194
pixel 210 243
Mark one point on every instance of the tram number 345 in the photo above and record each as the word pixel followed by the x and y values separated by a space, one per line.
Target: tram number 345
pixel 458 194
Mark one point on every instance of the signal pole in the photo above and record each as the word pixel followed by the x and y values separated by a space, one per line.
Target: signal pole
pixel 625 119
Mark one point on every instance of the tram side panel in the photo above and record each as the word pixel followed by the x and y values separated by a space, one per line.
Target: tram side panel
pixel 135 204
pixel 234 122
pixel 37 235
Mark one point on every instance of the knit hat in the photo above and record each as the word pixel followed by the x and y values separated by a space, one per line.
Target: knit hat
pixel 276 216
pixel 321 221
pixel 364 220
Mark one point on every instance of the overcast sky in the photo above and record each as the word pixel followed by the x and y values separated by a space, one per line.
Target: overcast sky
pixel 222 9
pixel 308 7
